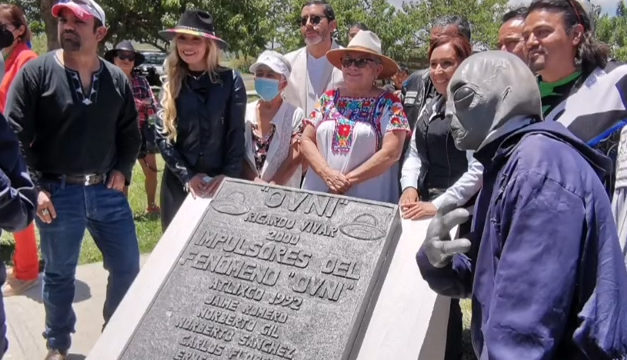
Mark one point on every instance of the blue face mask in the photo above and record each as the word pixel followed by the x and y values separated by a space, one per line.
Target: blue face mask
pixel 268 89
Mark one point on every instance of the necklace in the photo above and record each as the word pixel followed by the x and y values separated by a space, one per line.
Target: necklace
pixel 263 136
pixel 257 128
pixel 197 74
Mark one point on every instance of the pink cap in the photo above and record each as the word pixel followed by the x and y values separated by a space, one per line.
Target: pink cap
pixel 82 9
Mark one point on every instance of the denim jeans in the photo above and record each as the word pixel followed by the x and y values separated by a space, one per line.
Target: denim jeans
pixel 108 217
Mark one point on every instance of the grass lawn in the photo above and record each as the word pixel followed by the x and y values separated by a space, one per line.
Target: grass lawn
pixel 466 342
pixel 148 227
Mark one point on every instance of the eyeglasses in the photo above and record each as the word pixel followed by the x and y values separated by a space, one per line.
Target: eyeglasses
pixel 359 63
pixel 129 57
pixel 314 19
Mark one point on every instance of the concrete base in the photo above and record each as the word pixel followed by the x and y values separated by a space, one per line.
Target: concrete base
pixel 408 322
pixel 25 316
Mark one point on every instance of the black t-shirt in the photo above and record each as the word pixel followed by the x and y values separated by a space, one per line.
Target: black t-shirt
pixel 65 130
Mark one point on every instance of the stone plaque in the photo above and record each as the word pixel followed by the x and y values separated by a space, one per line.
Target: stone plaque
pixel 271 273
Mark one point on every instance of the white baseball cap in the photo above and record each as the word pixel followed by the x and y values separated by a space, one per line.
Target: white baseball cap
pixel 275 61
pixel 82 9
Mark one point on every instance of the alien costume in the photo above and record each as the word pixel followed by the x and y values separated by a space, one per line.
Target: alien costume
pixel 543 264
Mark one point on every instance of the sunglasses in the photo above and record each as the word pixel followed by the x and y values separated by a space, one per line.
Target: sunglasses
pixel 359 63
pixel 129 57
pixel 314 19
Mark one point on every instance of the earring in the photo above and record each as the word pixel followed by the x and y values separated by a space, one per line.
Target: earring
pixel 578 57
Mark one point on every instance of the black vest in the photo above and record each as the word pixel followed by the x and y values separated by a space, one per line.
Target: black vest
pixel 442 163
pixel 417 90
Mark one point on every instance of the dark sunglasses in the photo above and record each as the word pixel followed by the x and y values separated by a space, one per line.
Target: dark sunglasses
pixel 360 63
pixel 315 19
pixel 129 57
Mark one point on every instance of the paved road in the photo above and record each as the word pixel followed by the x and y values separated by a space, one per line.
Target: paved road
pixel 25 316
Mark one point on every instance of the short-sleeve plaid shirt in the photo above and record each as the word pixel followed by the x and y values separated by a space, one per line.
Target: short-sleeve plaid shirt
pixel 145 100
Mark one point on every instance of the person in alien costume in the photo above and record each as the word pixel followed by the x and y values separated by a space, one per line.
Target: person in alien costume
pixel 542 263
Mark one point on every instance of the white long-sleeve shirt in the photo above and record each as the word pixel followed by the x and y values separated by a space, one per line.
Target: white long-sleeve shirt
pixel 459 193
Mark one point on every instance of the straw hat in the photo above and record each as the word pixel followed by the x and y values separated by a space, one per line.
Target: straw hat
pixel 365 42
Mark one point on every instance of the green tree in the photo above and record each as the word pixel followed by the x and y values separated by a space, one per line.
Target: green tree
pixel 613 32
pixel 241 23
pixel 403 32
pixel 249 26
pixel 620 9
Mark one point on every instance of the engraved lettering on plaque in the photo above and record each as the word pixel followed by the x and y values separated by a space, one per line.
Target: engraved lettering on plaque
pixel 271 273
pixel 364 227
pixel 231 204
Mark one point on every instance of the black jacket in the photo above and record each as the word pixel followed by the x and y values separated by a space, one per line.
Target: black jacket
pixel 63 130
pixel 18 198
pixel 417 89
pixel 210 127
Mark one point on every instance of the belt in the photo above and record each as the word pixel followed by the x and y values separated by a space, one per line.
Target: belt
pixel 86 180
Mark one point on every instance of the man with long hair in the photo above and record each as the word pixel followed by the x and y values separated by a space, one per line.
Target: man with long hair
pixel 579 88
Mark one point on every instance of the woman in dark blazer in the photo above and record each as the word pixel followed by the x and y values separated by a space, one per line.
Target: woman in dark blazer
pixel 200 131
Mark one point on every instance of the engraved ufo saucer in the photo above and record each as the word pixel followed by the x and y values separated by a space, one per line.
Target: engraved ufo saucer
pixel 231 204
pixel 363 227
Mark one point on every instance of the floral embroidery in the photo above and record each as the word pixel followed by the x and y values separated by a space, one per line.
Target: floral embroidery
pixel 342 136
pixel 346 112
pixel 397 119
pixel 261 147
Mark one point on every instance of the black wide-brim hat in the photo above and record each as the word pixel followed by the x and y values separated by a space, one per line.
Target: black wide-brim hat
pixel 195 23
pixel 124 46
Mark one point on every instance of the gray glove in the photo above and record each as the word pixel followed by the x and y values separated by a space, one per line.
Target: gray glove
pixel 438 245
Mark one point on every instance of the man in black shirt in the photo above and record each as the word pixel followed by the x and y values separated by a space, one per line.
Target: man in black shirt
pixel 75 117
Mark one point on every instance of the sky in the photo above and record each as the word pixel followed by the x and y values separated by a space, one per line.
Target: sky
pixel 607 6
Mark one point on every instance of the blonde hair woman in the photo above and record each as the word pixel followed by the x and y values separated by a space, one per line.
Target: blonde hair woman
pixel 200 131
